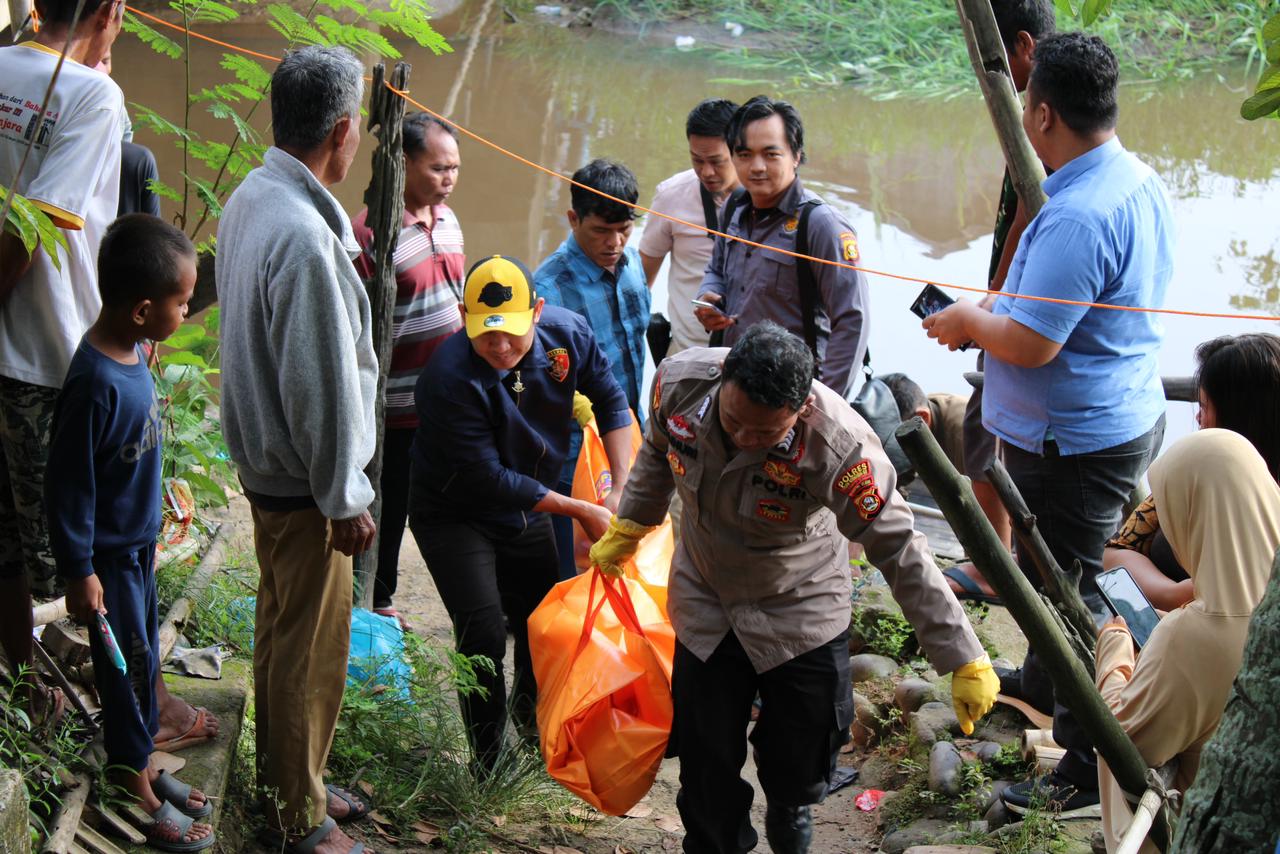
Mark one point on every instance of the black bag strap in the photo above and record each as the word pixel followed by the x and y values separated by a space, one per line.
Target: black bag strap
pixel 726 216
pixel 807 284
pixel 709 213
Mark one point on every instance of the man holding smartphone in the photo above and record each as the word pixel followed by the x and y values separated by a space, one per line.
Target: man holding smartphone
pixel 824 304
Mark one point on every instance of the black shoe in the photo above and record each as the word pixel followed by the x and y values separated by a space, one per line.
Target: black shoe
pixel 1053 794
pixel 1011 686
pixel 788 829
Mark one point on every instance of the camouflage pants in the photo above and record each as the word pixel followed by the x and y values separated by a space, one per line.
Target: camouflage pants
pixel 26 413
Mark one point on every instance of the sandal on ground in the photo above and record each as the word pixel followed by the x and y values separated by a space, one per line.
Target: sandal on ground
pixel 969 588
pixel 50 708
pixel 278 841
pixel 200 724
pixel 395 615
pixel 169 831
pixel 170 789
pixel 357 807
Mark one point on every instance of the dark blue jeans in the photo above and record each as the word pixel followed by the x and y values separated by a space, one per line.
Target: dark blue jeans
pixel 129 713
pixel 1077 501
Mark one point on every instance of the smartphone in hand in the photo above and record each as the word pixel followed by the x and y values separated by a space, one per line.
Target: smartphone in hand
pixel 931 301
pixel 1125 599
pixel 701 303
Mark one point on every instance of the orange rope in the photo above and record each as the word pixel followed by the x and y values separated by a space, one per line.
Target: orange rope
pixel 700 227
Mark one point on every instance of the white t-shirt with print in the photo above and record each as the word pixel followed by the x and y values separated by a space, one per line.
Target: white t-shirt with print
pixel 73 174
pixel 690 249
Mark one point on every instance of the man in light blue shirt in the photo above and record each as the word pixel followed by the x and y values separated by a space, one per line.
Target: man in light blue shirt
pixel 1073 392
pixel 595 274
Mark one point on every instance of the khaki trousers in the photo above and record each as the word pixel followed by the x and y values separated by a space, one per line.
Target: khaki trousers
pixel 301 640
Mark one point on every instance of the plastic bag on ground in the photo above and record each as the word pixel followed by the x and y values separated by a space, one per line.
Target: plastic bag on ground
pixel 602 656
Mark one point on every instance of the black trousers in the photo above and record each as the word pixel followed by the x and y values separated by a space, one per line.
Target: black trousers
pixel 1077 501
pixel 395 510
pixel 806 710
pixel 485 577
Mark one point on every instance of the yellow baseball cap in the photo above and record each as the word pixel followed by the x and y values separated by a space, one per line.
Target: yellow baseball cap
pixel 498 297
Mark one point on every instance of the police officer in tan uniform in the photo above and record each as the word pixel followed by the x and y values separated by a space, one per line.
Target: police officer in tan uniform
pixel 773 468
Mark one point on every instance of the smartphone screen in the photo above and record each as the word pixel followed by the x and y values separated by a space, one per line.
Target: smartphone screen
pixel 701 303
pixel 930 301
pixel 1126 600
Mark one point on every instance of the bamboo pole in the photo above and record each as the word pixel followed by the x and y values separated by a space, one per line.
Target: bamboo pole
pixel 986 52
pixel 1072 685
pixel 384 198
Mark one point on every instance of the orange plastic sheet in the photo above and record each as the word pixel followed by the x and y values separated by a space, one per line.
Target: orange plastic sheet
pixel 602 655
pixel 592 480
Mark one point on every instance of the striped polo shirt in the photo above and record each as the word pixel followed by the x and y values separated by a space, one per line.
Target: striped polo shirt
pixel 430 268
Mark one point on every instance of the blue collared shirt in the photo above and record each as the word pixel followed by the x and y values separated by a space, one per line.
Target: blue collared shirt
pixel 1105 236
pixel 489 446
pixel 615 305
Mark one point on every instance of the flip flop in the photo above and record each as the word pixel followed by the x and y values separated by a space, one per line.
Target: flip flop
pixel 357 807
pixel 169 820
pixel 55 705
pixel 170 789
pixel 1038 718
pixel 178 742
pixel 277 841
pixel 969 587
pixel 840 778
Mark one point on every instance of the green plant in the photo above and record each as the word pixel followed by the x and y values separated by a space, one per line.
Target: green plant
pixel 1265 100
pixel 886 632
pixel 33 227
pixel 224 612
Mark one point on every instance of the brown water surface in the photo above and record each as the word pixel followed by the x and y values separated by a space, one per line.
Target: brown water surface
pixel 918 179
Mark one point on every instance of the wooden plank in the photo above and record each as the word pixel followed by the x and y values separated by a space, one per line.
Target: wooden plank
pixel 63 829
pixel 118 825
pixel 95 841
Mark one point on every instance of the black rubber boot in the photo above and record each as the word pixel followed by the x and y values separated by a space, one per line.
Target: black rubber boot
pixel 788 829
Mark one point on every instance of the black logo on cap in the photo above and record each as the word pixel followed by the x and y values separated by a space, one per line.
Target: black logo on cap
pixel 495 294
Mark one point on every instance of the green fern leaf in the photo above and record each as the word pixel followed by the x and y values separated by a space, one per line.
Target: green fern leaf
pixel 161 44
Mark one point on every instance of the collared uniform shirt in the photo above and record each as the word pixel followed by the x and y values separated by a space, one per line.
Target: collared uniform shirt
pixel 757 284
pixel 1105 236
pixel 430 269
pixel 690 248
pixel 489 446
pixel 615 306
pixel 761 551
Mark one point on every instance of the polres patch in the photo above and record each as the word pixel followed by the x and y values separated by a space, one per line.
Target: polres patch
pixel 657 391
pixel 774 511
pixel 853 480
pixel 558 363
pixel 781 473
pixel 679 427
pixel 869 503
pixel 677 465
pixel 849 246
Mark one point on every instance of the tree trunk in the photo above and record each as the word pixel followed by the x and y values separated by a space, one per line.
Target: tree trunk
pixel 385 199
pixel 986 52
pixel 1233 806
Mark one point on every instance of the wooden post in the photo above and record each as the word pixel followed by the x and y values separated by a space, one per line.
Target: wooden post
pixel 1063 588
pixel 385 199
pixel 1071 682
pixel 986 52
pixel 1234 803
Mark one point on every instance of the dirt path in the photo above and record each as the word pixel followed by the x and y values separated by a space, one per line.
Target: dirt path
pixel 839 828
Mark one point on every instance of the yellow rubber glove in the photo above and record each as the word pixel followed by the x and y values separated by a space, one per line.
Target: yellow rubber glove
pixel 973 691
pixel 582 412
pixel 618 544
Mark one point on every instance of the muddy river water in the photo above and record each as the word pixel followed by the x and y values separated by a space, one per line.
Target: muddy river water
pixel 918 179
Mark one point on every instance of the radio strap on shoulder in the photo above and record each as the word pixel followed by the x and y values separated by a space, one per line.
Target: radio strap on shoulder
pixel 805 281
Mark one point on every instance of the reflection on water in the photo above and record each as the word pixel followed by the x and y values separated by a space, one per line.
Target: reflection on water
pixel 917 179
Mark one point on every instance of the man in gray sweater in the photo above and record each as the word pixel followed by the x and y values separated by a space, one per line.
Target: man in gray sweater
pixel 298 382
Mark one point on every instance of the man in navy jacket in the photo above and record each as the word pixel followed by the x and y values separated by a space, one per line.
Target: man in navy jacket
pixel 495 404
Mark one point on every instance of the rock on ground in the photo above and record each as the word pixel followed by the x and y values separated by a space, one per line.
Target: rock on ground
pixel 13 813
pixel 933 721
pixel 945 763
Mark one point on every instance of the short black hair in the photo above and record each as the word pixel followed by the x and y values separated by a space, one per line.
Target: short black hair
pixel 1240 374
pixel 761 107
pixel 62 11
pixel 1077 76
pixel 709 118
pixel 607 177
pixel 772 366
pixel 138 259
pixel 415 129
pixel 1034 17
pixel 907 394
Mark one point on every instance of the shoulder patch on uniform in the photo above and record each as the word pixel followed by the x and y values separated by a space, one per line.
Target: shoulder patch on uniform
pixel 679 427
pixel 657 391
pixel 869 503
pixel 774 511
pixel 558 364
pixel 853 480
pixel 677 465
pixel 781 473
pixel 849 246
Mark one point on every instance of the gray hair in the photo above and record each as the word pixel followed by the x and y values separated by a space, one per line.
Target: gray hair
pixel 311 90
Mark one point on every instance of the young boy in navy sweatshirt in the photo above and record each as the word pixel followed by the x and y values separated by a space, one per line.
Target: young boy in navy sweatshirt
pixel 102 499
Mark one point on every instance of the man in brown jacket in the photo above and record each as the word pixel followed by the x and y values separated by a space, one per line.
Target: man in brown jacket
pixel 773 468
